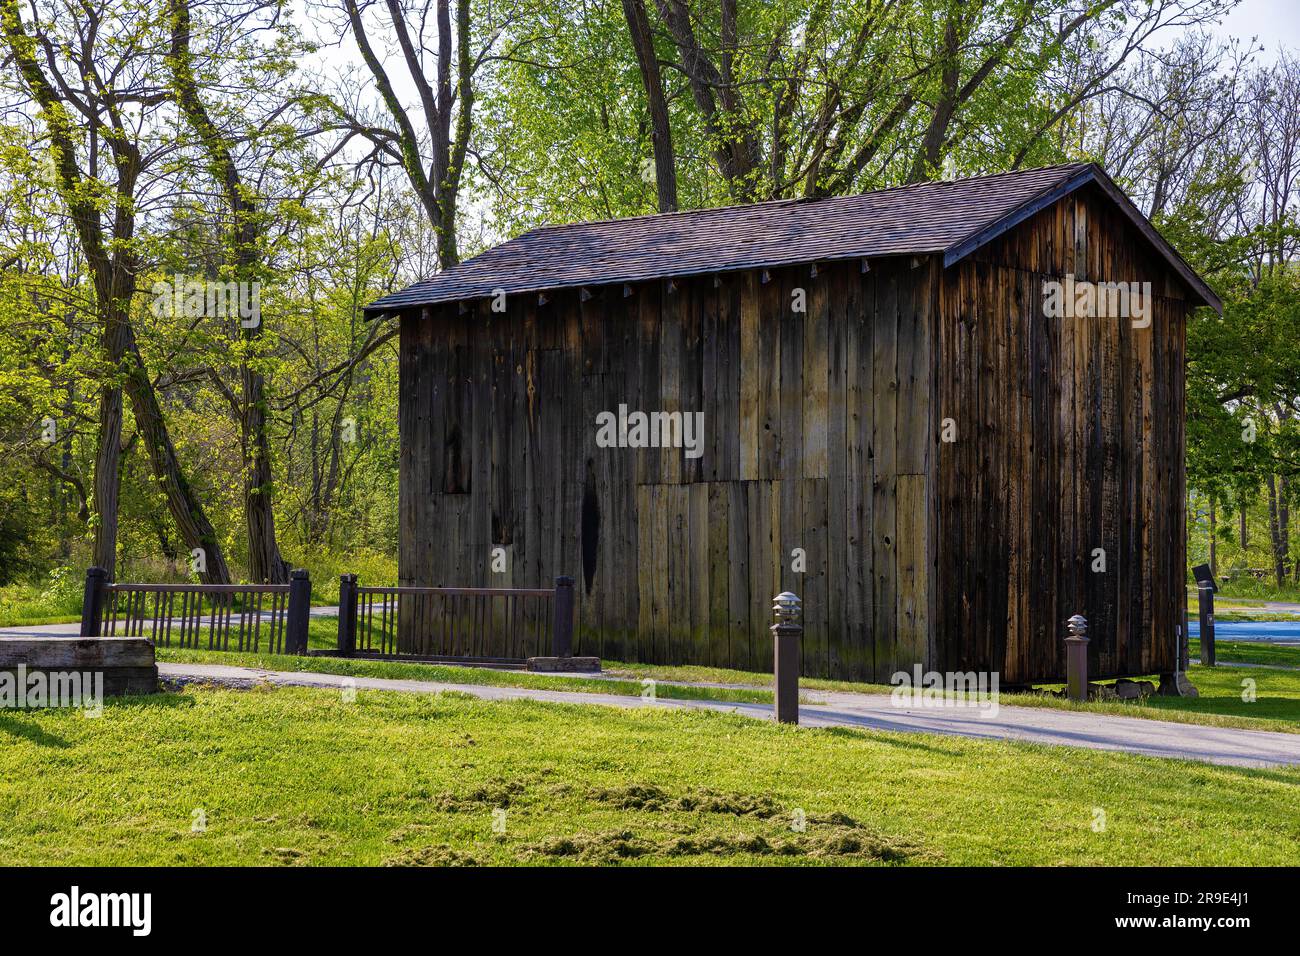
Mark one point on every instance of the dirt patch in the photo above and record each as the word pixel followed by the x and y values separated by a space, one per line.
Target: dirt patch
pixel 284 854
pixel 609 847
pixel 701 800
pixel 829 836
pixel 437 855
pixel 835 843
pixel 725 846
pixel 498 793
pixel 839 842
pixel 832 844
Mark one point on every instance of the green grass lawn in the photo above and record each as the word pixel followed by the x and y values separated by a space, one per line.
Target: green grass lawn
pixel 1251 652
pixel 298 776
pixel 1242 615
pixel 1246 589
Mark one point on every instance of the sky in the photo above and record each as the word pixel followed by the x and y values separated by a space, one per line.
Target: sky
pixel 1276 23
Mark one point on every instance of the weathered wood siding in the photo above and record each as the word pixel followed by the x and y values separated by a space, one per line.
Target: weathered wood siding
pixel 1070 438
pixel 821 433
pixel 817 436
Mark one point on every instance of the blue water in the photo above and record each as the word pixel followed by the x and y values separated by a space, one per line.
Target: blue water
pixel 1271 632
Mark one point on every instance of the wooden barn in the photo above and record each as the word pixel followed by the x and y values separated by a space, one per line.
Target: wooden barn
pixel 877 402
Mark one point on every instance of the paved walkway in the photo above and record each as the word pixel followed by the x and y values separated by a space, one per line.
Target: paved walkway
pixel 1155 738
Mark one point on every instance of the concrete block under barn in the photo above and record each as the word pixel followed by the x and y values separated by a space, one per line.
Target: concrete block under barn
pixel 896 405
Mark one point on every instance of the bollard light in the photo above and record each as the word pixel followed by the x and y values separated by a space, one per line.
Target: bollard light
pixel 1076 658
pixel 786 632
pixel 787 607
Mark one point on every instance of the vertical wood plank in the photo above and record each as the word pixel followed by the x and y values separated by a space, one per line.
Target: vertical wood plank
pixel 749 376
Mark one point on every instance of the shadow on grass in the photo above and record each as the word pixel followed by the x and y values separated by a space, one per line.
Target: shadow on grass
pixel 30 730
pixel 17 724
pixel 1290 776
pixel 1230 705
pixel 873 735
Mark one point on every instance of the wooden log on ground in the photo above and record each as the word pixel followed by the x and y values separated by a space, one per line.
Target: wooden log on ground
pixel 127 664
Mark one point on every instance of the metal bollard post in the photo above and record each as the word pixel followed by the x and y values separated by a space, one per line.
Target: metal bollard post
pixel 1076 658
pixel 562 634
pixel 92 604
pixel 298 614
pixel 786 633
pixel 1205 604
pixel 347 629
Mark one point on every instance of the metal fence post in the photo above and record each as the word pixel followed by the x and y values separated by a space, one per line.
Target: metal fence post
pixel 1076 658
pixel 786 633
pixel 562 632
pixel 92 604
pixel 347 642
pixel 295 624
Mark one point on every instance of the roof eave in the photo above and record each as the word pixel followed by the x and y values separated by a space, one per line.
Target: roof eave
pixel 374 309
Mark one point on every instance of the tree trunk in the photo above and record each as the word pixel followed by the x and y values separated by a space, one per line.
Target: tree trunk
pixel 638 26
pixel 66 465
pixel 1214 538
pixel 108 478
pixel 265 563
pixel 1284 523
pixel 1275 534
pixel 735 141
pixel 436 183
pixel 186 510
pixel 930 151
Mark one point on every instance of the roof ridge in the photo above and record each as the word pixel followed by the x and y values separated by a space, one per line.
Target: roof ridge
pixel 962 180
pixel 801 200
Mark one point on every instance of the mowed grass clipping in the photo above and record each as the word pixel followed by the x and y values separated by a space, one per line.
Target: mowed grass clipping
pixel 302 776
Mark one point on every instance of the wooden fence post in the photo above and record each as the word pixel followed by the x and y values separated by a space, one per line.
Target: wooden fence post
pixel 92 604
pixel 1076 658
pixel 347 615
pixel 562 633
pixel 295 624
